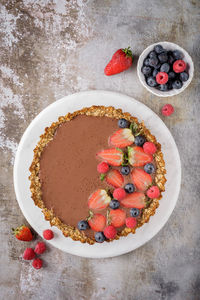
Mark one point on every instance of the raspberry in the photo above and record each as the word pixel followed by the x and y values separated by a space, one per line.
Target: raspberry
pixel 179 66
pixel 149 148
pixel 28 254
pixel 167 110
pixel 153 192
pixel 119 194
pixel 40 248
pixel 103 167
pixel 48 234
pixel 110 232
pixel 37 263
pixel 162 78
pixel 131 222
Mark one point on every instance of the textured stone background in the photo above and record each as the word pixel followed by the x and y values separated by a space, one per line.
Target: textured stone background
pixel 50 49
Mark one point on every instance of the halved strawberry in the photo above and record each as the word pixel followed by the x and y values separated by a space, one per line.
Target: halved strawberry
pixel 99 200
pixel 137 157
pixel 113 157
pixel 117 217
pixel 122 138
pixel 115 178
pixel 141 179
pixel 97 222
pixel 135 199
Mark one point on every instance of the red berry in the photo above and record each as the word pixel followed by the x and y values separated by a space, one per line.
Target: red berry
pixel 113 156
pixel 179 66
pixel 40 248
pixel 149 147
pixel 131 222
pixel 99 200
pixel 117 217
pixel 119 194
pixel 122 138
pixel 97 222
pixel 162 78
pixel 37 263
pixel 110 232
pixel 48 234
pixel 103 167
pixel 115 178
pixel 167 110
pixel 153 192
pixel 28 254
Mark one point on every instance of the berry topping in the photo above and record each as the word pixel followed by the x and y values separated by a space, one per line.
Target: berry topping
pixel 37 263
pixel 122 138
pixel 163 57
pixel 162 77
pixel 165 67
pixel 28 254
pixel 151 81
pixel 158 49
pixel 163 87
pixel 83 225
pixel 149 147
pixel 141 179
pixel 179 66
pixel 177 84
pixel 146 70
pixel 177 54
pixel 48 234
pixel 99 200
pixel 117 217
pixel 140 140
pixel 171 75
pixel 99 237
pixel 153 192
pixel 153 61
pixel 184 76
pixel 125 170
pixel 97 222
pixel 119 194
pixel 131 222
pixel 40 248
pixel 123 123
pixel 155 72
pixel 103 167
pixel 137 157
pixel 152 54
pixel 146 62
pixel 114 178
pixel 110 232
pixel 129 188
pixel 167 110
pixel 113 157
pixel 114 204
pixel 136 199
pixel 23 233
pixel 149 168
pixel 134 212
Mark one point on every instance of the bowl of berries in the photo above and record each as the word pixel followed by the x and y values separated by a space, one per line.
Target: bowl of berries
pixel 165 69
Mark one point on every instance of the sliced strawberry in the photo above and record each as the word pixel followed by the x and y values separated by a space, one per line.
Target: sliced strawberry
pixel 97 222
pixel 135 199
pixel 115 178
pixel 137 157
pixel 113 157
pixel 122 138
pixel 141 179
pixel 117 217
pixel 99 200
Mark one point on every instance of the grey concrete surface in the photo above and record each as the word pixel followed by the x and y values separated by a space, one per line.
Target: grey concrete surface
pixel 50 49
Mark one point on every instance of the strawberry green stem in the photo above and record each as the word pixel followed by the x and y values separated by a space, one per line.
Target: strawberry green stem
pixel 128 52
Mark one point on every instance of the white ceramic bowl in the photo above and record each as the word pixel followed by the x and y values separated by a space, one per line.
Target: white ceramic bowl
pixel 168 46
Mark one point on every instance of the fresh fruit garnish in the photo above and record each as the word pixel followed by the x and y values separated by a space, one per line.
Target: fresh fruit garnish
pixel 103 167
pixel 99 237
pixel 123 123
pixel 179 66
pixel 121 60
pixel 162 77
pixel 23 233
pixel 117 217
pixel 131 222
pixel 83 225
pixel 177 84
pixel 177 54
pixel 163 57
pixel 149 148
pixel 125 170
pixel 97 222
pixel 37 263
pixel 136 199
pixel 99 200
pixel 134 212
pixel 110 232
pixel 163 87
pixel 114 204
pixel 153 61
pixel 141 179
pixel 28 254
pixel 151 81
pixel 149 168
pixel 140 140
pixel 137 157
pixel 184 76
pixel 146 70
pixel 114 178
pixel 129 188
pixel 40 248
pixel 48 234
pixel 119 194
pixel 158 49
pixel 122 138
pixel 153 192
pixel 113 156
pixel 165 68
pixel 167 110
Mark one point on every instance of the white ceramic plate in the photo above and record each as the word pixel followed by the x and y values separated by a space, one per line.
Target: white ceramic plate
pixel 74 102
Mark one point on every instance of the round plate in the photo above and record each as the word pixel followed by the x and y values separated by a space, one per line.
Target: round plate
pixel 75 102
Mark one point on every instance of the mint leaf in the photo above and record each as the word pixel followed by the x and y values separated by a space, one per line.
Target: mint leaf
pixel 102 177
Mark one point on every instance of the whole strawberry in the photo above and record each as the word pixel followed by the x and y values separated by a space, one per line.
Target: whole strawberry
pixel 121 60
pixel 23 233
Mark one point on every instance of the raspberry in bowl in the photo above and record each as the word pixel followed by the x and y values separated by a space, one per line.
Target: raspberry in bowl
pixel 165 69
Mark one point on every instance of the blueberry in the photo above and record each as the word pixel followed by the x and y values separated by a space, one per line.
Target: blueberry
pixel 129 188
pixel 146 62
pixel 177 54
pixel 125 170
pixel 177 84
pixel 171 59
pixel 152 54
pixel 99 237
pixel 114 204
pixel 184 76
pixel 171 75
pixel 163 87
pixel 169 85
pixel 153 61
pixel 146 70
pixel 140 140
pixel 157 66
pixel 163 57
pixel 149 168
pixel 134 212
pixel 155 72
pixel 123 123
pixel 165 68
pixel 151 81
pixel 83 225
pixel 159 49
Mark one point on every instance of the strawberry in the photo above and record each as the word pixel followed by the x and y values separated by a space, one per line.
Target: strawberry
pixel 115 178
pixel 137 157
pixel 141 179
pixel 97 222
pixel 23 233
pixel 99 200
pixel 113 157
pixel 135 199
pixel 117 217
pixel 122 138
pixel 121 60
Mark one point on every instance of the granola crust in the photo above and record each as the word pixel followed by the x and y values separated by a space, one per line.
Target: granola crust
pixel 48 135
